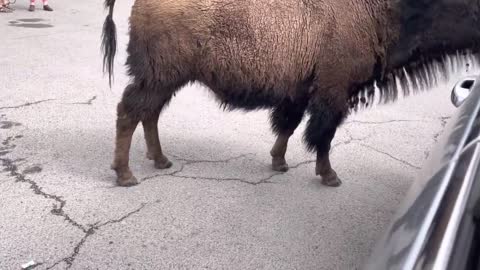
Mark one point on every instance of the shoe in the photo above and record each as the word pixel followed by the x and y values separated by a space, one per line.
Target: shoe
pixel 4 9
pixel 8 6
pixel 31 8
pixel 47 8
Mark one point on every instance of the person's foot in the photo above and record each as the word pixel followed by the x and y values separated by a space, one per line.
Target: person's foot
pixel 47 8
pixel 31 8
pixel 4 9
pixel 8 6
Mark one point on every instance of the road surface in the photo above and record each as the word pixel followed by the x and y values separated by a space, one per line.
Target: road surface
pixel 220 206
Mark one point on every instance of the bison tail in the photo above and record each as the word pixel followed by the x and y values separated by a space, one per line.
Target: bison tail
pixel 109 40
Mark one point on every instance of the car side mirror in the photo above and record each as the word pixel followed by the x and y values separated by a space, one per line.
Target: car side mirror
pixel 462 90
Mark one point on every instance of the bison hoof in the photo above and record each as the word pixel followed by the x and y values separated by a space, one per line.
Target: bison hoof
pixel 164 164
pixel 279 165
pixel 127 182
pixel 332 181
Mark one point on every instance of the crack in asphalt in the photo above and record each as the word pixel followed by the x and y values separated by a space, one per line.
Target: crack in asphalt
pixel 10 166
pixel 296 166
pixel 443 119
pixel 385 122
pixel 426 154
pixel 164 174
pixel 196 161
pixel 88 102
pixel 182 167
pixel 436 136
pixel 27 104
pixel 265 180
pixel 57 208
pixel 193 161
pixel 390 155
pixel 350 140
pixel 7 146
pixel 6 142
pixel 190 161
pixel 443 122
pixel 261 181
pixel 8 124
pixel 113 221
pixel 91 231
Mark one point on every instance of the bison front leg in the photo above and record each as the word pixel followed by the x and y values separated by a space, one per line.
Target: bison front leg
pixel 320 131
pixel 278 152
pixel 154 148
pixel 285 119
pixel 324 169
pixel 125 128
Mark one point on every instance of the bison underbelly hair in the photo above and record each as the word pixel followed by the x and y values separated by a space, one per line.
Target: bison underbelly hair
pixel 248 99
pixel 234 89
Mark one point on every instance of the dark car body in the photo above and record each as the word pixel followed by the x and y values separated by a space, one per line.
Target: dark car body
pixel 438 225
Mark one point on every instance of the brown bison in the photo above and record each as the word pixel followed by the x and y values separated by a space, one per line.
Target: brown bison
pixel 291 56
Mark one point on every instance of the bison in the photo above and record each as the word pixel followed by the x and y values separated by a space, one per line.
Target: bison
pixel 321 57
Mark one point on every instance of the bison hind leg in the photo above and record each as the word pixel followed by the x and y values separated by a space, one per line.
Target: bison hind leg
pixel 139 104
pixel 126 125
pixel 152 139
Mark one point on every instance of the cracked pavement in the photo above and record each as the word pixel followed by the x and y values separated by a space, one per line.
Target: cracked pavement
pixel 220 206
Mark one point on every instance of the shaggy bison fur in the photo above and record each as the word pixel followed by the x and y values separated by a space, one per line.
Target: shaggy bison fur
pixel 320 57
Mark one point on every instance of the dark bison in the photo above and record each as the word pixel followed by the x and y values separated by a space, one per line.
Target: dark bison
pixel 291 56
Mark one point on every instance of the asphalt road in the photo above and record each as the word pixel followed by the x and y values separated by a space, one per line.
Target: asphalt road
pixel 220 206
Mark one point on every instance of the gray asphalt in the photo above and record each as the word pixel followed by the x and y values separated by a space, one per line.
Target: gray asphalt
pixel 220 206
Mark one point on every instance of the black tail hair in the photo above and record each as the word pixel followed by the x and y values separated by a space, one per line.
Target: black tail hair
pixel 109 41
